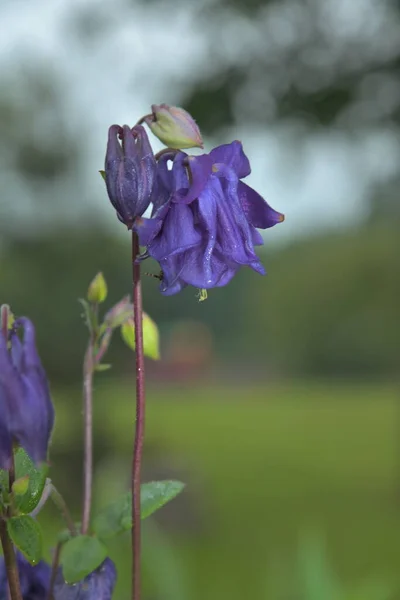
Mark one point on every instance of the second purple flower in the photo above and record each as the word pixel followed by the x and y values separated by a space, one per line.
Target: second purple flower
pixel 203 226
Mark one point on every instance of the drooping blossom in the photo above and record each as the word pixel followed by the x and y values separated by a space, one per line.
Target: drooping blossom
pixel 205 219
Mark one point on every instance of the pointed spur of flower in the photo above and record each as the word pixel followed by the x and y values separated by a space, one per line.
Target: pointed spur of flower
pixel 130 170
pixel 26 410
pixel 99 585
pixel 34 581
pixel 205 228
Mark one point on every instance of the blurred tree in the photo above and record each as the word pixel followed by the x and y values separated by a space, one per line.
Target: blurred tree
pixel 320 62
pixel 328 306
pixel 40 158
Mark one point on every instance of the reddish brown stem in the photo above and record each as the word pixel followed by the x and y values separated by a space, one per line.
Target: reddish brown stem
pixel 88 436
pixel 10 562
pixel 14 589
pixel 4 321
pixel 139 426
pixel 54 569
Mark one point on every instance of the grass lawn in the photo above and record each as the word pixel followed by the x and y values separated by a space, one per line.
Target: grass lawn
pixel 263 466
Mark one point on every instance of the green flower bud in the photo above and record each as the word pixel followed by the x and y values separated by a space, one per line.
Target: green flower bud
pixel 97 291
pixel 175 127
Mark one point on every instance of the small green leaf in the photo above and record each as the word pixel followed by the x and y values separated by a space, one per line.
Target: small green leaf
pixel 102 367
pixel 103 174
pixel 26 534
pixel 150 336
pixel 89 315
pixel 155 494
pixel 81 555
pixel 25 467
pixel 117 517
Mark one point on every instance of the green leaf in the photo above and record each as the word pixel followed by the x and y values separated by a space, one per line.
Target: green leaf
pixel 26 534
pixel 81 555
pixel 150 335
pixel 102 367
pixel 117 517
pixel 25 467
pixel 89 315
pixel 103 174
pixel 155 494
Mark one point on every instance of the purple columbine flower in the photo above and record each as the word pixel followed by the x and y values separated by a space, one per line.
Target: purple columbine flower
pixel 203 227
pixel 99 585
pixel 34 581
pixel 26 410
pixel 130 171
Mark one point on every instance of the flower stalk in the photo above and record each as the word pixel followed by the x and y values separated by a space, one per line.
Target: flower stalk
pixel 88 369
pixel 8 550
pixel 139 424
pixel 10 562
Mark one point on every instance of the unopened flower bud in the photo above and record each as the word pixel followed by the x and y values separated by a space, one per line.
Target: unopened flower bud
pixel 97 291
pixel 175 127
pixel 130 171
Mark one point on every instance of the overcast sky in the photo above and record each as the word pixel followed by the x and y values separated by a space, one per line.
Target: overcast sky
pixel 116 76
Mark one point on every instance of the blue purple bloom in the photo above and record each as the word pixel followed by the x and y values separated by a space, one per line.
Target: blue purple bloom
pixel 34 581
pixel 26 410
pixel 99 585
pixel 130 171
pixel 203 226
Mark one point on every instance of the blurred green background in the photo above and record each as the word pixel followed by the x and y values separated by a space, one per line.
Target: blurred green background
pixel 276 400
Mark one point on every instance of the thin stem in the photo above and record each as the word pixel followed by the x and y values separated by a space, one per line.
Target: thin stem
pixel 54 569
pixel 14 589
pixel 11 474
pixel 4 321
pixel 88 435
pixel 142 119
pixel 139 426
pixel 63 508
pixel 10 562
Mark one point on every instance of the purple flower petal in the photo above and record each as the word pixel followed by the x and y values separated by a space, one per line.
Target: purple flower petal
pixel 171 268
pixel 34 580
pixel 163 185
pixel 258 212
pixel 178 233
pixel 235 238
pixel 5 435
pixel 233 156
pixel 200 170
